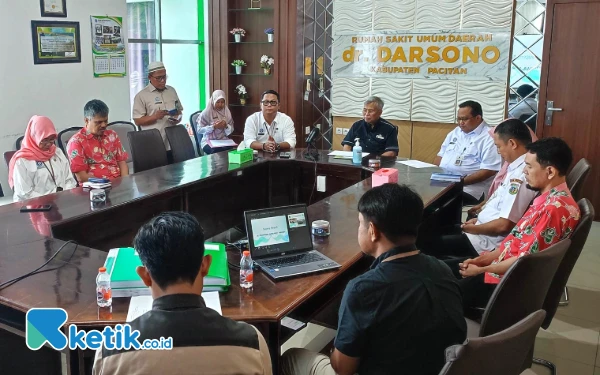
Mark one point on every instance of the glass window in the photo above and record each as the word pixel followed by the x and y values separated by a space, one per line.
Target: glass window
pixel 173 36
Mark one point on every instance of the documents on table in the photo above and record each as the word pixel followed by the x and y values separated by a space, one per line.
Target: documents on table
pixel 446 177
pixel 214 143
pixel 416 164
pixel 345 154
pixel 140 305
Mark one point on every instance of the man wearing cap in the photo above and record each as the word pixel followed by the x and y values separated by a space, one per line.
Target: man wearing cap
pixel 157 106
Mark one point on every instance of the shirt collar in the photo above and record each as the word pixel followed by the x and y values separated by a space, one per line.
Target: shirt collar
pixel 375 125
pixel 392 252
pixel 178 302
pixel 517 163
pixel 264 122
pixel 478 129
pixel 542 198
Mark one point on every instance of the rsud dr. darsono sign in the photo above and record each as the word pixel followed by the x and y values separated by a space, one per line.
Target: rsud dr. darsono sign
pixel 447 54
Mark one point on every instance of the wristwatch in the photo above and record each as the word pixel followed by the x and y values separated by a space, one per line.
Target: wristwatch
pixel 263 146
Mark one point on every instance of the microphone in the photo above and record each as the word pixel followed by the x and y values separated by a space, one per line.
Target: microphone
pixel 312 135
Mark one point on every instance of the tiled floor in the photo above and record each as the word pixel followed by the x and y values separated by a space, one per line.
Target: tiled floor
pixel 572 341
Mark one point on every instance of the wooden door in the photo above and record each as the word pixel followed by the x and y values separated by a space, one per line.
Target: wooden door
pixel 570 78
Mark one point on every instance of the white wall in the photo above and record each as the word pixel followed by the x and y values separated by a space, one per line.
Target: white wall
pixel 58 91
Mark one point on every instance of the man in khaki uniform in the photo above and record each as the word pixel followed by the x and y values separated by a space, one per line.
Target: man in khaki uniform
pixel 157 105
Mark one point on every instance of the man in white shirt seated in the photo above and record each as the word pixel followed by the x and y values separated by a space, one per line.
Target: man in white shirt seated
pixel 504 208
pixel 527 107
pixel 269 130
pixel 469 151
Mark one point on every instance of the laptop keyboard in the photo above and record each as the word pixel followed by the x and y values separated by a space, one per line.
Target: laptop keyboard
pixel 295 260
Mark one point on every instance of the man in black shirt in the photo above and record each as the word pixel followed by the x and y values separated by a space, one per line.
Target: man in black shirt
pixel 401 315
pixel 377 136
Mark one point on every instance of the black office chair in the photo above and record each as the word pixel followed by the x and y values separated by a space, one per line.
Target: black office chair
pixel 18 142
pixel 181 144
pixel 197 137
pixel 529 278
pixel 65 135
pixel 8 155
pixel 576 178
pixel 147 150
pixel 558 288
pixel 502 353
pixel 1 192
pixel 122 128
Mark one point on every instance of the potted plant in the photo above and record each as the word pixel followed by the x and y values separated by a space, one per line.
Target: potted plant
pixel 242 93
pixel 238 65
pixel 238 33
pixel 267 63
pixel 270 31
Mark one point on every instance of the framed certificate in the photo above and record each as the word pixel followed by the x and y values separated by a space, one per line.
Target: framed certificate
pixel 53 8
pixel 55 42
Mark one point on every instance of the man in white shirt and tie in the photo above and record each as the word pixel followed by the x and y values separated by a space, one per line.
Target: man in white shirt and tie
pixel 269 130
pixel 504 208
pixel 469 151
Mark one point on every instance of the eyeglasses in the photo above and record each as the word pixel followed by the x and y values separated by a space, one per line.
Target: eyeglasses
pixel 160 78
pixel 272 103
pixel 463 119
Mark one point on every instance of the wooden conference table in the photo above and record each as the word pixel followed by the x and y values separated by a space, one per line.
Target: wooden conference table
pixel 217 193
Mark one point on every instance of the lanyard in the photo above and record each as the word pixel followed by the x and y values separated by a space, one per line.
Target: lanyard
pixel 398 256
pixel 58 188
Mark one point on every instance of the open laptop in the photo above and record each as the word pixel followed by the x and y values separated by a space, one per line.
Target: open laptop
pixel 281 244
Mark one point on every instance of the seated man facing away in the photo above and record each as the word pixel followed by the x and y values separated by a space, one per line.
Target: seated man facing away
pixel 171 248
pixel 401 315
pixel 469 151
pixel 377 136
pixel 95 151
pixel 504 208
pixel 551 218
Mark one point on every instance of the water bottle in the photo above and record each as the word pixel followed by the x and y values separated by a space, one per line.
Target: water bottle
pixel 357 153
pixel 246 271
pixel 103 291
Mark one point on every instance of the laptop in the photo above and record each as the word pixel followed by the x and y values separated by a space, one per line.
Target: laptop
pixel 281 243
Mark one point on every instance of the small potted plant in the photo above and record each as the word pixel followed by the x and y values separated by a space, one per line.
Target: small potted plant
pixel 242 93
pixel 267 63
pixel 238 65
pixel 238 33
pixel 270 31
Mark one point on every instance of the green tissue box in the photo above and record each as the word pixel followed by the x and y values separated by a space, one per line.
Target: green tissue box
pixel 240 157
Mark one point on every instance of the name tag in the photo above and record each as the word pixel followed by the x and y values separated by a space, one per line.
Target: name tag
pixel 261 132
pixel 459 160
pixel 39 165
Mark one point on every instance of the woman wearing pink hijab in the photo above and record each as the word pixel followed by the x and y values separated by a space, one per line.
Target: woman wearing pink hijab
pixel 39 167
pixel 499 176
pixel 215 123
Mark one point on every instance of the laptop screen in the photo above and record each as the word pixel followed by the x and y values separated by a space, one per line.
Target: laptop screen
pixel 273 231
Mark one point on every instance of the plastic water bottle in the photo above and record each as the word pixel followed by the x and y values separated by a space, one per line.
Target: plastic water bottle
pixel 103 290
pixel 246 271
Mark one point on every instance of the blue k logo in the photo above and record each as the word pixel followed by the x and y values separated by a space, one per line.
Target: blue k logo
pixel 43 325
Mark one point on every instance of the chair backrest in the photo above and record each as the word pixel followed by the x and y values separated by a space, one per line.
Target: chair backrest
pixel 181 144
pixel 502 353
pixel 578 239
pixel 523 289
pixel 122 128
pixel 65 135
pixel 147 150
pixel 18 142
pixel 8 155
pixel 576 178
pixel 1 192
pixel 197 137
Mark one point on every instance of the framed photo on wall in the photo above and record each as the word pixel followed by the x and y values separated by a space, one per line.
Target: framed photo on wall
pixel 55 42
pixel 53 8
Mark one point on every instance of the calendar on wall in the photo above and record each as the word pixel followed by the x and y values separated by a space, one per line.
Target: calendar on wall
pixel 108 48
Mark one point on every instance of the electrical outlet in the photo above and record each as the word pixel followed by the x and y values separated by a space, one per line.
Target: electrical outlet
pixel 307 129
pixel 339 131
pixel 321 183
pixel 346 131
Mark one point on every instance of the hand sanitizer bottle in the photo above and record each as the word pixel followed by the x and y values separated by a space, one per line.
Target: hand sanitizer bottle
pixel 357 153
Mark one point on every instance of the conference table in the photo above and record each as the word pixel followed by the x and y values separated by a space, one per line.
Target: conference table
pixel 217 193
